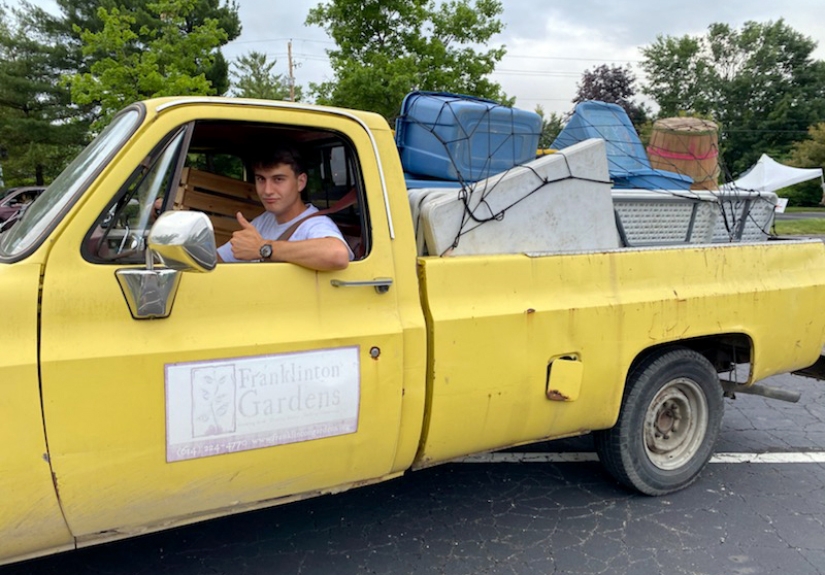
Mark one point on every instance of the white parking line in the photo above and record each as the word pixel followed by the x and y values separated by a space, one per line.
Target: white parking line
pixel 798 457
pixel 578 457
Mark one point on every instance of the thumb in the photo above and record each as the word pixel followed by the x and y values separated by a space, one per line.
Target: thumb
pixel 243 221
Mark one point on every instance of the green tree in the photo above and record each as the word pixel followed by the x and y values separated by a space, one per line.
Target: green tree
pixel 551 126
pixel 759 83
pixel 254 79
pixel 809 153
pixel 227 18
pixel 614 85
pixel 78 16
pixel 39 128
pixel 386 48
pixel 163 61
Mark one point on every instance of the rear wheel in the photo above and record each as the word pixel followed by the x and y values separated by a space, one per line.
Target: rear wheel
pixel 670 417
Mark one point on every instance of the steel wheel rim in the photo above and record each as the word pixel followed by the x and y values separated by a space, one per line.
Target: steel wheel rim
pixel 676 423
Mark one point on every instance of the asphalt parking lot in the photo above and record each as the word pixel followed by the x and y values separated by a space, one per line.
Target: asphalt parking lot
pixel 759 508
pixel 799 215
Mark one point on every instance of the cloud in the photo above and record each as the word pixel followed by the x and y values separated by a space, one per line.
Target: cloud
pixel 549 43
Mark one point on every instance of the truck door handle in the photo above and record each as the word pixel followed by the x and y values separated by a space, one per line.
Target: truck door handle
pixel 381 285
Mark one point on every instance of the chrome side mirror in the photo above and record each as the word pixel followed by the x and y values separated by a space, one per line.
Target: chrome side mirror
pixel 183 242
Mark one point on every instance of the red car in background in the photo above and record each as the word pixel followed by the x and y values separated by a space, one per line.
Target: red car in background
pixel 15 202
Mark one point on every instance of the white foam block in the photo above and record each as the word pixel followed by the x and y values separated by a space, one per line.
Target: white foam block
pixel 416 197
pixel 557 203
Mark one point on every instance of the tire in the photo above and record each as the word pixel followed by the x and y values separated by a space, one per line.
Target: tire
pixel 670 417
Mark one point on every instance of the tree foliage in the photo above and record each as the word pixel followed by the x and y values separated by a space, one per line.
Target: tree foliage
pixel 551 126
pixel 39 129
pixel 759 83
pixel 254 79
pixel 612 84
pixel 78 16
pixel 809 153
pixel 166 60
pixel 386 48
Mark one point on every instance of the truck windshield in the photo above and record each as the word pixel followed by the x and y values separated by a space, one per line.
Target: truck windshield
pixel 43 214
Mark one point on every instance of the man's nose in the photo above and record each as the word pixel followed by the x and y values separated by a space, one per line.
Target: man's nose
pixel 269 187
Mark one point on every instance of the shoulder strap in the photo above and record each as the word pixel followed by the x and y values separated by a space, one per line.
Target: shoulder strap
pixel 346 201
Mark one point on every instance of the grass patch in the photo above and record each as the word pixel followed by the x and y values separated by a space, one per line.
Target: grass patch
pixel 791 210
pixel 813 226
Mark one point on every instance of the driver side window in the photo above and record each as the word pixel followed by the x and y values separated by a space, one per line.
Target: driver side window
pixel 121 231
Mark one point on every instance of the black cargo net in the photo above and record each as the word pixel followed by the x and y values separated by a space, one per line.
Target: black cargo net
pixel 477 154
pixel 479 192
pixel 680 148
pixel 474 152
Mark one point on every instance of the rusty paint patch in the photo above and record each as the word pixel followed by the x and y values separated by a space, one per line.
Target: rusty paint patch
pixel 556 395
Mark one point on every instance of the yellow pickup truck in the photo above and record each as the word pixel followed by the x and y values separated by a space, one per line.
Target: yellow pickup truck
pixel 144 386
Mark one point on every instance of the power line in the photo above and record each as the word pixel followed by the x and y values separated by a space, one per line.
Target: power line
pixel 525 57
pixel 285 39
pixel 297 55
pixel 519 56
pixel 554 73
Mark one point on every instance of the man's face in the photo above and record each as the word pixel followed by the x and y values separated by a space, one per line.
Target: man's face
pixel 280 191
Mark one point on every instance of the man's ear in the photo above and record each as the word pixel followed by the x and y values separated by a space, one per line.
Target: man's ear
pixel 302 181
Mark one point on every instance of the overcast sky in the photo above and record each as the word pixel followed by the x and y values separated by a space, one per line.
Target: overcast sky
pixel 549 42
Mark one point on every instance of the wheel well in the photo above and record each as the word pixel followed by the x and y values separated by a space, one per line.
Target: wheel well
pixel 724 351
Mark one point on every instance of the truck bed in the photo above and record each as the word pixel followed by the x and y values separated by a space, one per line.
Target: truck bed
pixel 511 318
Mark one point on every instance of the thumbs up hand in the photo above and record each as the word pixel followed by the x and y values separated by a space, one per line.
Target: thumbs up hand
pixel 245 225
pixel 246 242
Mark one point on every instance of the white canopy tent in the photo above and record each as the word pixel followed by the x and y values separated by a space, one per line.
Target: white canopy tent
pixel 768 175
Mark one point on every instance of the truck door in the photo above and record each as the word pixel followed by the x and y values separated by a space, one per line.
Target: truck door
pixel 266 380
pixel 30 518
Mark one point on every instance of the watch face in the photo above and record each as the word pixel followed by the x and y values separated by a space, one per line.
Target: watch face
pixel 266 251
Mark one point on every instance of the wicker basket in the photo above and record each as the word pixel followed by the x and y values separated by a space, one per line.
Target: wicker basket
pixel 688 146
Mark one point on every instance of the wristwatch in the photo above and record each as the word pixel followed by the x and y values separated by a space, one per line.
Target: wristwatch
pixel 266 252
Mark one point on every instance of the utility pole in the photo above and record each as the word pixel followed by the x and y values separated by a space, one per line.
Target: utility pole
pixel 291 75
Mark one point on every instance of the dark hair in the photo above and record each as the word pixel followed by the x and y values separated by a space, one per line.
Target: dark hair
pixel 276 155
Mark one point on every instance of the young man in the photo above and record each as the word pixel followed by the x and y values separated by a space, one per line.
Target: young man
pixel 316 243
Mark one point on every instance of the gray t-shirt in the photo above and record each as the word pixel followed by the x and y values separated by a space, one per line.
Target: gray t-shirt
pixel 270 229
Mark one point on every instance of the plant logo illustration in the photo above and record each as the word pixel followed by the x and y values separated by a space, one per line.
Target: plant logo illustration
pixel 213 401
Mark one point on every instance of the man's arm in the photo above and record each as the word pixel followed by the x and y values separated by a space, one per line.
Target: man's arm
pixel 321 254
pixel 318 254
